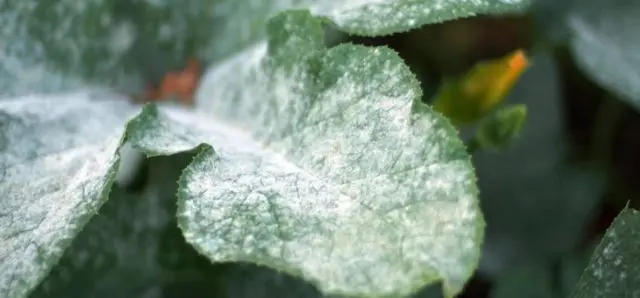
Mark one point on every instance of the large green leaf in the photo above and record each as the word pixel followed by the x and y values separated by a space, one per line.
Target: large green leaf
pixel 389 208
pixel 125 44
pixel 57 160
pixel 401 215
pixel 613 270
pixel 606 44
pixel 58 152
pixel 362 17
pixel 122 44
pixel 359 182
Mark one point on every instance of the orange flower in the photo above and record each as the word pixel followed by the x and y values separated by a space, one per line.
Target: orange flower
pixel 180 85
pixel 472 96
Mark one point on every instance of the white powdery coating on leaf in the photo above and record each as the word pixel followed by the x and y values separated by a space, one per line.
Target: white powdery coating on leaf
pixel 374 16
pixel 21 62
pixel 61 149
pixel 613 269
pixel 410 212
pixel 233 32
pixel 48 46
pixel 244 62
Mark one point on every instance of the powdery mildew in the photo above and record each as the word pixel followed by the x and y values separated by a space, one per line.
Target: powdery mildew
pixel 234 32
pixel 65 44
pixel 95 42
pixel 353 192
pixel 120 40
pixel 117 253
pixel 370 17
pixel 59 46
pixel 613 269
pixel 387 16
pixel 52 174
pixel 21 62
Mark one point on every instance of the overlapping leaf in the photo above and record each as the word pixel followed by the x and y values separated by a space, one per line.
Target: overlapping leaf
pixel 356 191
pixel 57 161
pixel 126 44
pixel 386 170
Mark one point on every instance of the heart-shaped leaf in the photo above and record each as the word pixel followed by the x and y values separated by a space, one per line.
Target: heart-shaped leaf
pixel 360 189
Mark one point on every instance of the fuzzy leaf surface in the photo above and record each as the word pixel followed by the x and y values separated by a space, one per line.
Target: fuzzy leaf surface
pixel 323 165
pixel 57 161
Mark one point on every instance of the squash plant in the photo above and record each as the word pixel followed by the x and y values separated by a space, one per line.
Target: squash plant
pixel 319 162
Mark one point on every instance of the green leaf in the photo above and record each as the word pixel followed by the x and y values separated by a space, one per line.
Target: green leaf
pixel 134 247
pixel 382 17
pixel 116 254
pixel 413 156
pixel 126 44
pixel 613 270
pixel 121 44
pixel 501 128
pixel 327 168
pixel 403 216
pixel 361 17
pixel 57 160
pixel 606 44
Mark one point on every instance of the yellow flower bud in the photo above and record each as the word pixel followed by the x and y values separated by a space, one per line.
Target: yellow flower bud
pixel 467 99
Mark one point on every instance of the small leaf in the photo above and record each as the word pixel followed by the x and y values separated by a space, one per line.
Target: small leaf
pixel 501 128
pixel 467 99
pixel 536 204
pixel 613 270
pixel 57 162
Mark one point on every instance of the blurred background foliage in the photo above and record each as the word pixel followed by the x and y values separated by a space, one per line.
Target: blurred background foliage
pixel 550 196
pixel 547 198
